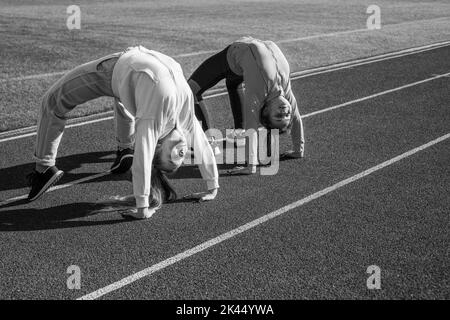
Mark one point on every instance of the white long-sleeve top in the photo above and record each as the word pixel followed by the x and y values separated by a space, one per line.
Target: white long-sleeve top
pixel 151 87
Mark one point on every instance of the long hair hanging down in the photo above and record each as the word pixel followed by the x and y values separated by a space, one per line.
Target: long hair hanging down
pixel 160 190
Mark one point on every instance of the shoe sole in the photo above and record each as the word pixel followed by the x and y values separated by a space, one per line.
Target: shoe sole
pixel 48 185
pixel 126 161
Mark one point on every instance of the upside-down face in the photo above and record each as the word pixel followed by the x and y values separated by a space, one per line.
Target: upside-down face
pixel 170 151
pixel 277 114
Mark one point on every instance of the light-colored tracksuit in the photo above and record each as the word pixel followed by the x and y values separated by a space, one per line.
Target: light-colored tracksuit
pixel 266 75
pixel 152 98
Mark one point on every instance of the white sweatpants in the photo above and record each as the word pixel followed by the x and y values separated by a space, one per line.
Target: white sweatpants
pixel 86 82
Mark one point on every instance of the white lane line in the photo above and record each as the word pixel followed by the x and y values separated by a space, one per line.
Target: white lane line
pixel 70 122
pixel 60 73
pixel 375 95
pixel 445 75
pixel 78 124
pixel 197 53
pixel 25 132
pixel 338 33
pixel 314 36
pixel 324 35
pixel 221 140
pixel 352 64
pixel 233 233
pixel 58 187
pixel 369 60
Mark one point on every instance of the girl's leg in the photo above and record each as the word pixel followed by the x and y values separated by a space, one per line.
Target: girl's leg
pixel 207 75
pixel 124 124
pixel 236 94
pixel 84 83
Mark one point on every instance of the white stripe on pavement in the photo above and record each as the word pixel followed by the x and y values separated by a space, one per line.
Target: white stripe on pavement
pixel 376 95
pixel 369 60
pixel 352 64
pixel 248 226
pixel 78 124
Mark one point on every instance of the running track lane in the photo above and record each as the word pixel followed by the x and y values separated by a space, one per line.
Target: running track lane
pixel 40 244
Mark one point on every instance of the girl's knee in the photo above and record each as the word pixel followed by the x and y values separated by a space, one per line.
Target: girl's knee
pixel 50 106
pixel 196 89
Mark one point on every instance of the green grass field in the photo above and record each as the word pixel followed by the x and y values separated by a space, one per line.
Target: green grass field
pixel 34 38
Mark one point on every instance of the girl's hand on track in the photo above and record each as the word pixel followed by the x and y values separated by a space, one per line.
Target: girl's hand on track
pixel 203 196
pixel 138 214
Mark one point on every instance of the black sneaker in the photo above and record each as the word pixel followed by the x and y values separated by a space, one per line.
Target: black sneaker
pixel 41 182
pixel 123 162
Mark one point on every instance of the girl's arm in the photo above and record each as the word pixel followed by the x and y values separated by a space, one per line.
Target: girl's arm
pixel 144 151
pixel 149 99
pixel 297 134
pixel 204 158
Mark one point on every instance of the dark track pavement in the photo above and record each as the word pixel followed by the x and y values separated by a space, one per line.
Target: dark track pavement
pixel 396 218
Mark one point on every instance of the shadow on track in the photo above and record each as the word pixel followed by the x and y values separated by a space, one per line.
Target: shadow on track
pixel 59 217
pixel 13 178
pixel 68 215
pixel 193 172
